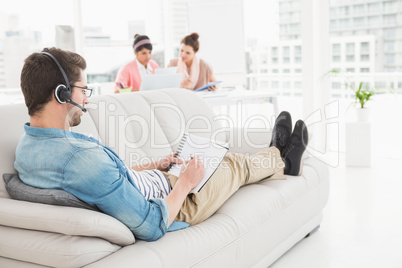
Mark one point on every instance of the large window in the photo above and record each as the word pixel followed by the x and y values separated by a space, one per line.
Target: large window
pixel 359 22
pixel 365 35
pixel 285 51
pixel 334 11
pixel 350 48
pixel 336 48
pixel 345 10
pixel 350 58
pixel 389 19
pixel 390 6
pixel 389 46
pixel 298 50
pixel 374 7
pixel 374 20
pixel 345 23
pixel 360 9
pixel 364 57
pixel 336 58
pixel 364 46
pixel 390 33
pixel 389 59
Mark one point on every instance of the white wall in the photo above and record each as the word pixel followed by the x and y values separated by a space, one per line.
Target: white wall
pixel 220 26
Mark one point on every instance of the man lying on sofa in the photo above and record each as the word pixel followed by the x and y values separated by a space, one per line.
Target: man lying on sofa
pixel 50 156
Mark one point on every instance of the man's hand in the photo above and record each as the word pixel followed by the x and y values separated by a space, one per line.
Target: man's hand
pixel 190 176
pixel 165 163
pixel 192 173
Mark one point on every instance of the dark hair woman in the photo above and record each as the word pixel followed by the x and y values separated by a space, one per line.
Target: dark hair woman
pixel 129 76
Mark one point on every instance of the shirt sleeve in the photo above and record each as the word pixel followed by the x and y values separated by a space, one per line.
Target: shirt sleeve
pixel 100 179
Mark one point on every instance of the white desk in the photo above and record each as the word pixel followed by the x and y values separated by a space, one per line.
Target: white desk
pixel 224 97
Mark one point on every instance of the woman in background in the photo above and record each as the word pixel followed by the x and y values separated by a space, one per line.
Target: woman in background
pixel 130 74
pixel 196 72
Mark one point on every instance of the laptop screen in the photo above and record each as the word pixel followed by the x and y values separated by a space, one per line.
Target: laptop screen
pixel 158 81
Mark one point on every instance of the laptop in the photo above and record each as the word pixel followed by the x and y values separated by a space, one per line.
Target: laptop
pixel 158 81
pixel 169 70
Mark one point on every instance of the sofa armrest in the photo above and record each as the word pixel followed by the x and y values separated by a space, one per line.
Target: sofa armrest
pixel 242 140
pixel 63 220
pixel 250 141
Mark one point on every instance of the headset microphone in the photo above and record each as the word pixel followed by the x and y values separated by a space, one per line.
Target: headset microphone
pixel 62 93
pixel 76 104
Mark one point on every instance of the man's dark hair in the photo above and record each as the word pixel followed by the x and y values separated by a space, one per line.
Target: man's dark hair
pixel 40 76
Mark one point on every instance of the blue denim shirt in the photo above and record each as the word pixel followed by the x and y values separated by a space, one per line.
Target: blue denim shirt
pixel 57 159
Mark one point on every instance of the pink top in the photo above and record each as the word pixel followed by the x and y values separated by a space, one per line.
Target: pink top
pixel 130 75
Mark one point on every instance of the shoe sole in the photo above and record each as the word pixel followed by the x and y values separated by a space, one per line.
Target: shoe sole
pixel 301 169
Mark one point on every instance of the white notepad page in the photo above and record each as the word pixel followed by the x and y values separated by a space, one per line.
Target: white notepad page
pixel 209 152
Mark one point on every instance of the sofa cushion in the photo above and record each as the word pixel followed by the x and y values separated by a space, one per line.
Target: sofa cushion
pixel 10 137
pixel 124 125
pixel 64 220
pixel 52 249
pixel 21 191
pixel 143 126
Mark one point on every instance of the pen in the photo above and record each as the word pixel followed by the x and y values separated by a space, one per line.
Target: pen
pixel 185 72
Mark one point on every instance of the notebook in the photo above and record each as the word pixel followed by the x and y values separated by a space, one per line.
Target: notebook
pixel 210 84
pixel 209 152
pixel 158 81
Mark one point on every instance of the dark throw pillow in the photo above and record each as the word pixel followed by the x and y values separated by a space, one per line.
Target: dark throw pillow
pixel 21 191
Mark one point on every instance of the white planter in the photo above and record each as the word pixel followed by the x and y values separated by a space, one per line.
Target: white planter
pixel 363 114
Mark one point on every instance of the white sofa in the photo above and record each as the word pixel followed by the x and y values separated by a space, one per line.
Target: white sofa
pixel 252 229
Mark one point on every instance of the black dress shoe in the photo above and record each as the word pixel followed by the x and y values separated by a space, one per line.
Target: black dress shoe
pixel 293 152
pixel 282 131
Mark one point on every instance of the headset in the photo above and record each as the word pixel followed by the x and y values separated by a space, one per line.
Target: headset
pixel 62 93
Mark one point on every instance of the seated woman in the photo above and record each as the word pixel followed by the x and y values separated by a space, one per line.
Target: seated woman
pixel 196 72
pixel 130 74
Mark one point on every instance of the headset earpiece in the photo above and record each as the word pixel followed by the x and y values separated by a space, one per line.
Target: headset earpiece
pixel 62 94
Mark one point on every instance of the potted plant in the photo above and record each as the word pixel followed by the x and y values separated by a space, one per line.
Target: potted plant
pixel 362 96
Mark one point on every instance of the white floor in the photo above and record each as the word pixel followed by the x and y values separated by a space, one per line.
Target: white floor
pixel 362 225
